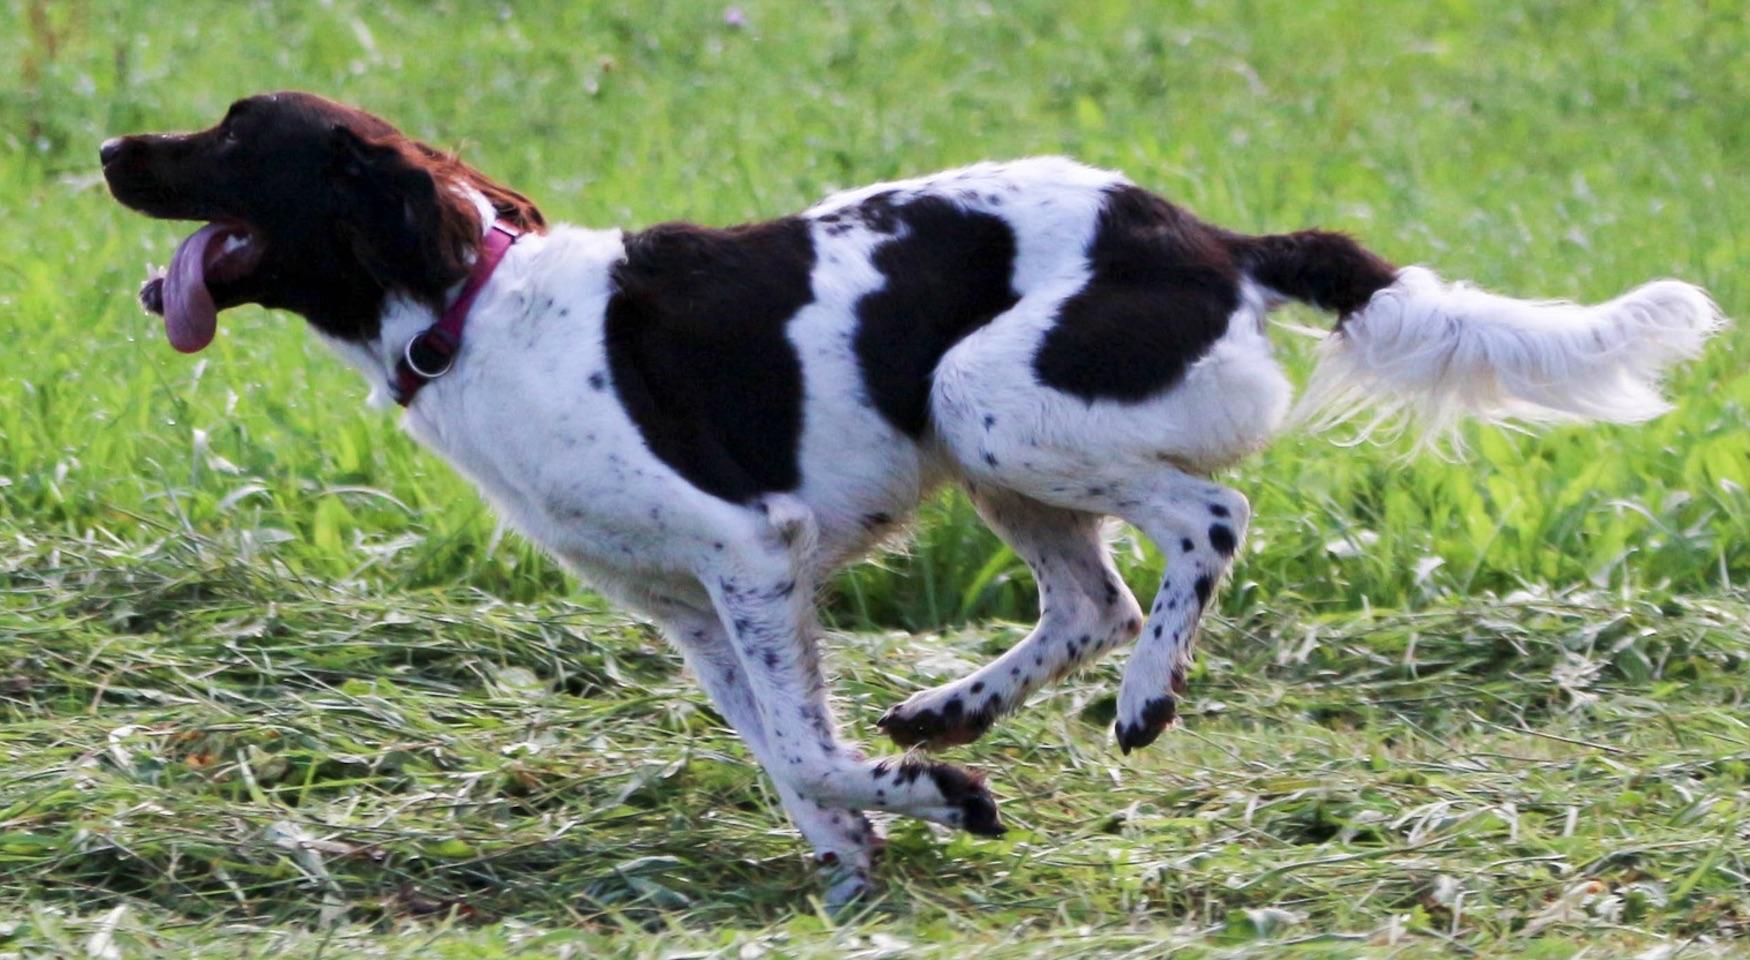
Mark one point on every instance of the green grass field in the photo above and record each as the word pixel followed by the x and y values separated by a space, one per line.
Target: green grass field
pixel 274 684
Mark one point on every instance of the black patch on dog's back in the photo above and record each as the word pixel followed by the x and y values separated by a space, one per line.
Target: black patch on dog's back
pixel 948 273
pixel 695 341
pixel 1162 288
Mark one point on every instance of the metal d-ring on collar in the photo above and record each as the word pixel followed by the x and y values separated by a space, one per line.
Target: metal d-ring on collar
pixel 419 339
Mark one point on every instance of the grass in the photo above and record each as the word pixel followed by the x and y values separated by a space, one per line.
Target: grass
pixel 273 683
pixel 237 755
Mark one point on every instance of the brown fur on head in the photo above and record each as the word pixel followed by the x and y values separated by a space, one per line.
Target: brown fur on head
pixel 339 208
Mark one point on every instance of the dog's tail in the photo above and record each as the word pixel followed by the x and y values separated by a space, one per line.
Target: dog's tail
pixel 1409 343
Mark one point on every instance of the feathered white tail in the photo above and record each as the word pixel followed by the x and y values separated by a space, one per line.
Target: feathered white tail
pixel 1436 352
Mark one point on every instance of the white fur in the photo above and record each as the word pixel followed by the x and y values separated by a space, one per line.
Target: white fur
pixel 1438 351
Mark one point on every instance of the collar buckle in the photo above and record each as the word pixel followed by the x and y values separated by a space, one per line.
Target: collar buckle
pixel 430 353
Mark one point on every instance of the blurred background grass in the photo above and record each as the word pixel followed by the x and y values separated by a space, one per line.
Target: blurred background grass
pixel 1550 149
pixel 273 683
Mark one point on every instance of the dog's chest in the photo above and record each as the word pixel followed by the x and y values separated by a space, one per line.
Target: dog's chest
pixel 530 416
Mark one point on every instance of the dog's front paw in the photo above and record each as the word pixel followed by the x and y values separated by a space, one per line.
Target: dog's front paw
pixel 847 882
pixel 943 717
pixel 975 809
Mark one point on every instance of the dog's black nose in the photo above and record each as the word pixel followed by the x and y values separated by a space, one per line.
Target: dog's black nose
pixel 110 149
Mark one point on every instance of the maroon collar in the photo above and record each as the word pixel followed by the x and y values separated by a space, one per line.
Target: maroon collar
pixel 432 351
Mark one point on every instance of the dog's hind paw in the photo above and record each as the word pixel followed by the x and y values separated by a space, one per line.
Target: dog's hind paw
pixel 1157 715
pixel 940 718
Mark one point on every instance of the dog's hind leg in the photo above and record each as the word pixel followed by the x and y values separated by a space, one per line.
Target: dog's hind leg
pixel 1084 611
pixel 844 841
pixel 1197 525
pixel 1090 447
pixel 761 584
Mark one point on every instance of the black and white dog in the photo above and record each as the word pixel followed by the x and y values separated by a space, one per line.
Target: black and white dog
pixel 703 423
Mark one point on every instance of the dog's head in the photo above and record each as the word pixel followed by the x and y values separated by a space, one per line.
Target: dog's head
pixel 310 206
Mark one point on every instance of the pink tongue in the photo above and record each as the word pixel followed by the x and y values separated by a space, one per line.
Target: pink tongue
pixel 189 316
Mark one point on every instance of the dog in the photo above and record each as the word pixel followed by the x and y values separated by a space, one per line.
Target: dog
pixel 703 423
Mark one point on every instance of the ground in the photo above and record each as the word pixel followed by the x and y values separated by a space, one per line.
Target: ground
pixel 274 683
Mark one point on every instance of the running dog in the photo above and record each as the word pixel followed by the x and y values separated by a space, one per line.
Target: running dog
pixel 703 423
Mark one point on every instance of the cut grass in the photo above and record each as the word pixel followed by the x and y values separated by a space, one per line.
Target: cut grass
pixel 212 742
pixel 275 684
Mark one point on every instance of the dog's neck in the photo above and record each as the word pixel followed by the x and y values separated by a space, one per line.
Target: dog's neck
pixel 402 318
pixel 564 270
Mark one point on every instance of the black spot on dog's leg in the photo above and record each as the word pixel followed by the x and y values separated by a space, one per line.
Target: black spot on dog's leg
pixel 909 731
pixel 950 725
pixel 961 789
pixel 1203 586
pixel 1157 715
pixel 1222 539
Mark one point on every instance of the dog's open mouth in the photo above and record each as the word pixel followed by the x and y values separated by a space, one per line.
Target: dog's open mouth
pixel 216 253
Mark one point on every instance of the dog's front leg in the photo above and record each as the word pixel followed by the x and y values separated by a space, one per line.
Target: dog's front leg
pixel 761 584
pixel 844 841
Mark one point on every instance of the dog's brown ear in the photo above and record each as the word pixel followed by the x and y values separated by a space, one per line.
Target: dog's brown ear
pixel 407 227
pixel 511 206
